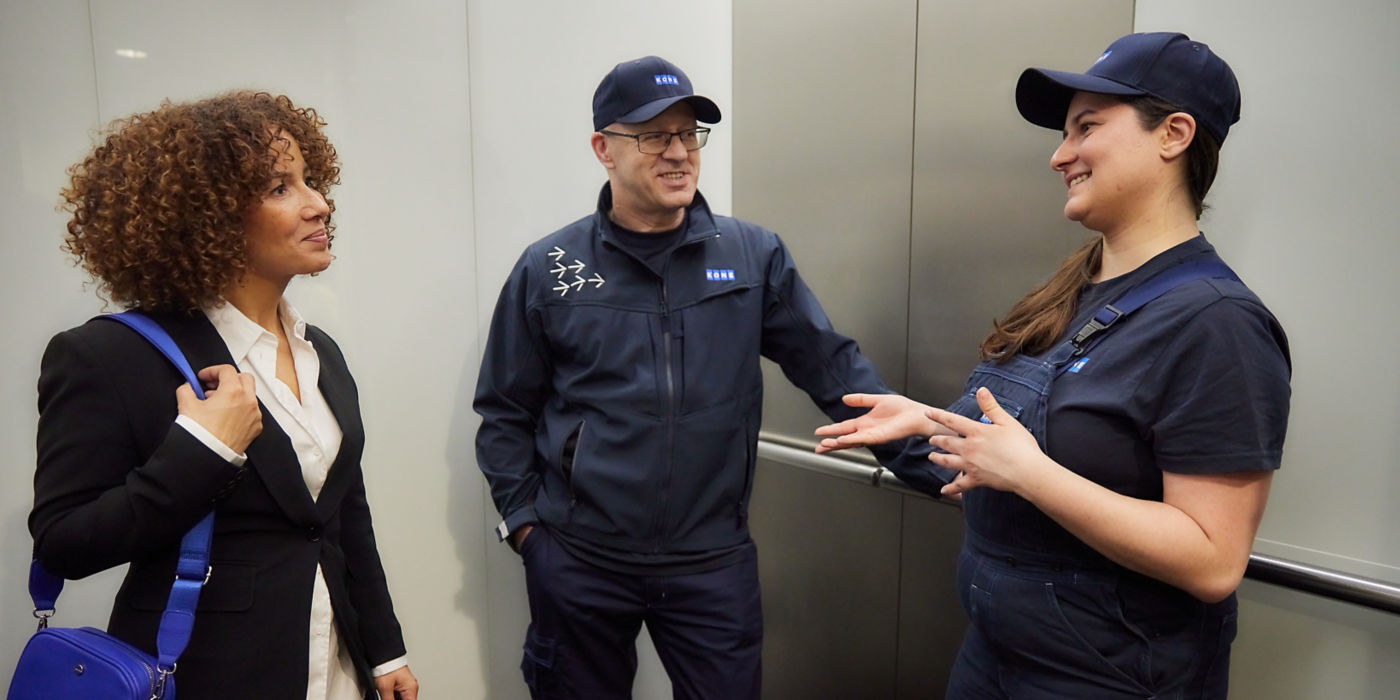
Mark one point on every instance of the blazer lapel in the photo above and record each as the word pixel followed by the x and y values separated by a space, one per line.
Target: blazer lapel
pixel 338 388
pixel 270 454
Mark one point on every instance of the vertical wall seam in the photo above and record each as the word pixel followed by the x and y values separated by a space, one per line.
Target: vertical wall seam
pixel 909 251
pixel 485 636
pixel 471 173
pixel 96 89
pixel 908 351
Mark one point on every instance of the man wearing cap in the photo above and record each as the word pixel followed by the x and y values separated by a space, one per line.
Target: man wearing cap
pixel 620 393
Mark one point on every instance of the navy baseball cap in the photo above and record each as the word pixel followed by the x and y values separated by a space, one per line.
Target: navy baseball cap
pixel 635 91
pixel 1166 65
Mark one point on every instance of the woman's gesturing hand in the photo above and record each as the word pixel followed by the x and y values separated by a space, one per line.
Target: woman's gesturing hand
pixel 1000 453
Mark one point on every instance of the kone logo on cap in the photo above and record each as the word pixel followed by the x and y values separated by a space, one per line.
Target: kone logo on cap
pixel 666 79
pixel 1106 54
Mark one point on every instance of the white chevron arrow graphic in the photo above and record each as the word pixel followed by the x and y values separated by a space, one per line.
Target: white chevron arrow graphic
pixel 577 283
pixel 578 266
pixel 597 280
pixel 559 270
pixel 563 288
pixel 556 253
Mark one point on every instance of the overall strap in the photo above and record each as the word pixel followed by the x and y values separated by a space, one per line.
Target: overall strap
pixel 1137 297
pixel 192 569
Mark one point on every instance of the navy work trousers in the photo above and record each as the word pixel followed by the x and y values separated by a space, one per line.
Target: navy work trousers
pixel 581 643
pixel 1046 629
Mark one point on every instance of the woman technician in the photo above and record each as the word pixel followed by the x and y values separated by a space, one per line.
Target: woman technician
pixel 1115 448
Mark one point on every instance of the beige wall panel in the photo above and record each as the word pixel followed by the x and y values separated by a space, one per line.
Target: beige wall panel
pixel 823 104
pixel 931 619
pixel 987 208
pixel 829 558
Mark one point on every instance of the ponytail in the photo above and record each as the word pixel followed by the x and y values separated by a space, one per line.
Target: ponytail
pixel 1037 321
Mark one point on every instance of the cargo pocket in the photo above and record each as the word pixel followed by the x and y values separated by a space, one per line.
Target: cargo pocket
pixel 1215 676
pixel 538 662
pixel 1110 649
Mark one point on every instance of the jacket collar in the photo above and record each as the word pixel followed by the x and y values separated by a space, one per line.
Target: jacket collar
pixel 699 222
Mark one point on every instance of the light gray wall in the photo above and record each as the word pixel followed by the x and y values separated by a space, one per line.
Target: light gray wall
pixel 451 118
pixel 1305 203
pixel 1304 209
pixel 391 82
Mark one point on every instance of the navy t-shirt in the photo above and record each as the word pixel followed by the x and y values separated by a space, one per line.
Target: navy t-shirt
pixel 1194 382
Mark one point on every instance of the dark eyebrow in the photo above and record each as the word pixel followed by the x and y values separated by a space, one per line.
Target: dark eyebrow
pixel 1076 118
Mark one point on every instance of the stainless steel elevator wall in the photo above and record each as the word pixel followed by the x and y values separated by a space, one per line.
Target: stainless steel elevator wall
pixel 880 139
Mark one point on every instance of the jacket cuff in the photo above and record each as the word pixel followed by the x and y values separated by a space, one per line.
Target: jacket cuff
pixel 909 461
pixel 517 519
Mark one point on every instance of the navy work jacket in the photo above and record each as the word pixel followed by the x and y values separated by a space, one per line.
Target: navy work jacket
pixel 622 404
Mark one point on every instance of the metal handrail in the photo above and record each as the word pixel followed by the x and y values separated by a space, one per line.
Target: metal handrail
pixel 860 467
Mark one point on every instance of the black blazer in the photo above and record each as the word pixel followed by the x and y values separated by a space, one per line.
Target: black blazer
pixel 117 481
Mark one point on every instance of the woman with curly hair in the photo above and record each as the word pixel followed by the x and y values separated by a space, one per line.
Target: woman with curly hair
pixel 199 215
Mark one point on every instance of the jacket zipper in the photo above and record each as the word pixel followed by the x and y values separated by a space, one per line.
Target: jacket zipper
pixel 660 524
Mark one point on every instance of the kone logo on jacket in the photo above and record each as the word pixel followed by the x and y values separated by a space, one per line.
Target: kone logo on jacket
pixel 561 272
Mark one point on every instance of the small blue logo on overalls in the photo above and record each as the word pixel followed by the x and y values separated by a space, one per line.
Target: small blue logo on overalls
pixel 719 275
pixel 664 79
pixel 1079 364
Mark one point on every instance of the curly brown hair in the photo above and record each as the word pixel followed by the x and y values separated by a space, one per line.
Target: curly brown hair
pixel 158 208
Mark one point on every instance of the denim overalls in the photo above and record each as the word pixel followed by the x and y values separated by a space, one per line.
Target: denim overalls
pixel 1050 623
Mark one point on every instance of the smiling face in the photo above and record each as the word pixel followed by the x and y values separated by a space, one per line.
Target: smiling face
pixel 650 192
pixel 286 230
pixel 1110 164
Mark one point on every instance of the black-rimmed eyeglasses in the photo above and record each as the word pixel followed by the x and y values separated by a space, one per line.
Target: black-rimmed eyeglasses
pixel 656 142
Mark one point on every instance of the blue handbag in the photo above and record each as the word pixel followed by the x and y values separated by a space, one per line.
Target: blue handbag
pixel 89 664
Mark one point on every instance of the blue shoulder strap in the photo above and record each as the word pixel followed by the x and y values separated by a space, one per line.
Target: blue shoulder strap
pixel 191 571
pixel 1137 297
